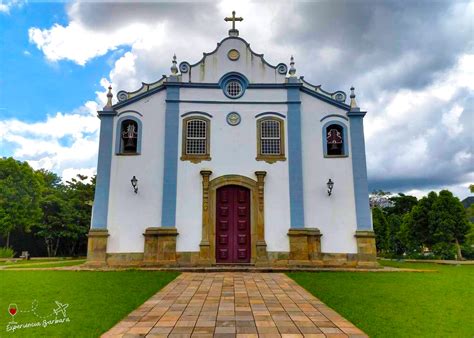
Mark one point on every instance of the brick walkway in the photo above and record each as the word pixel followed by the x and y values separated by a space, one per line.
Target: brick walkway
pixel 233 304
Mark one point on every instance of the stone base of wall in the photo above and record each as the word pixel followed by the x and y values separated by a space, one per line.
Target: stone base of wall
pixel 305 251
pixel 305 247
pixel 160 246
pixel 366 250
pixel 97 247
pixel 276 259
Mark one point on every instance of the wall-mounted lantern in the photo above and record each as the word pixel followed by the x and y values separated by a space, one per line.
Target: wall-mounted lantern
pixel 330 185
pixel 134 182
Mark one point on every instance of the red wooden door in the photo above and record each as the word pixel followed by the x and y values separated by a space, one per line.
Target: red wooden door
pixel 233 225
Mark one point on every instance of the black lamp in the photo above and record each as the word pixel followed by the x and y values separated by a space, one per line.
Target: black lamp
pixel 134 184
pixel 330 185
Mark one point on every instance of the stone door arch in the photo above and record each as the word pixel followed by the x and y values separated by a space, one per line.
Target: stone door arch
pixel 257 220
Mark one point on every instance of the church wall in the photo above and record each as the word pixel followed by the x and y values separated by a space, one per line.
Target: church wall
pixel 129 213
pixel 251 94
pixel 233 150
pixel 334 215
pixel 248 64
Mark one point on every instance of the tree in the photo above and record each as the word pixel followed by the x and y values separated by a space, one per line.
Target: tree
pixel 80 196
pixel 402 204
pixel 380 198
pixel 381 229
pixel 19 197
pixel 56 213
pixel 417 230
pixel 449 222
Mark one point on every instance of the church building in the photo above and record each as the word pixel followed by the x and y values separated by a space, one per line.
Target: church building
pixel 231 160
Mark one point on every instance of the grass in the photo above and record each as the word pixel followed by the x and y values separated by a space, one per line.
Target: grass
pixel 17 261
pixel 400 304
pixel 53 264
pixel 97 300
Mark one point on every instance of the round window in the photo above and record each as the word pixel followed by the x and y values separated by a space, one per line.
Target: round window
pixel 233 88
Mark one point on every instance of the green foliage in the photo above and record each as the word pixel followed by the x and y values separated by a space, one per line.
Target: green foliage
pixel 6 253
pixel 402 204
pixel 66 211
pixel 436 226
pixel 381 229
pixel 19 197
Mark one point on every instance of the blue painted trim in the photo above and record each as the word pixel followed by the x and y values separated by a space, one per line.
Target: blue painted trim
pixel 196 112
pixel 118 131
pixel 104 163
pixel 234 102
pixel 295 161
pixel 359 170
pixel 334 115
pixel 130 111
pixel 170 174
pixel 344 138
pixel 208 85
pixel 325 99
pixel 233 76
pixel 269 113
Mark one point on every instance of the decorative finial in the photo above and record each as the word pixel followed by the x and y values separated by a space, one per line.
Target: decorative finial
pixel 109 99
pixel 353 99
pixel 233 31
pixel 174 68
pixel 292 67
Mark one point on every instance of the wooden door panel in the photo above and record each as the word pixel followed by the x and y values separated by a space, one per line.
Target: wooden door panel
pixel 233 225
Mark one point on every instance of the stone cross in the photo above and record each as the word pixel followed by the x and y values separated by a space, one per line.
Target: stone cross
pixel 233 19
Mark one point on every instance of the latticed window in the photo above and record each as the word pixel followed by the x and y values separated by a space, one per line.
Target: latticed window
pixel 270 140
pixel 270 137
pixel 233 88
pixel 196 137
pixel 335 140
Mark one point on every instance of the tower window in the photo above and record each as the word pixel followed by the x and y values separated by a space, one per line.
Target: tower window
pixel 129 135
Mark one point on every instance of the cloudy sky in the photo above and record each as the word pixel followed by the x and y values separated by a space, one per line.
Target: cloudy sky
pixel 412 63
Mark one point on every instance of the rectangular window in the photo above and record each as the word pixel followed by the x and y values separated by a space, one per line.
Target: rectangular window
pixel 195 139
pixel 270 140
pixel 270 134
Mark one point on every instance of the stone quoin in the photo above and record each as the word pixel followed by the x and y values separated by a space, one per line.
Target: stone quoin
pixel 227 161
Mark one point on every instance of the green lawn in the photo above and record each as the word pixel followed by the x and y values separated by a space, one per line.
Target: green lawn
pixel 51 264
pixel 97 300
pixel 12 262
pixel 400 304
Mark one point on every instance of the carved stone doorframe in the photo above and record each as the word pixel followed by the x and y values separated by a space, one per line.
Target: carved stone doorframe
pixel 207 254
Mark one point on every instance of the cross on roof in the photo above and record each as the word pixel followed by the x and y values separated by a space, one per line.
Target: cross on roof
pixel 233 31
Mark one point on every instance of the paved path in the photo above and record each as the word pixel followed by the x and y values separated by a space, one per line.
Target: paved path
pixel 230 304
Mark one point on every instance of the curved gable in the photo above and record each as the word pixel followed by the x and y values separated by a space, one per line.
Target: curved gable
pixel 233 54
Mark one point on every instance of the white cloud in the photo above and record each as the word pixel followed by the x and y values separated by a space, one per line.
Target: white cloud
pixel 450 120
pixel 79 44
pixel 6 6
pixel 60 143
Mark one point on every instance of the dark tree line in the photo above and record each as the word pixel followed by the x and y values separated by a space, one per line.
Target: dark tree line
pixel 39 203
pixel 436 226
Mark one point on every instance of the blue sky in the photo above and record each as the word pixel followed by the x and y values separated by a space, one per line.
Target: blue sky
pixel 412 64
pixel 33 87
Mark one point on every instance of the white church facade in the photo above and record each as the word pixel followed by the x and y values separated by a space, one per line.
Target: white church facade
pixel 233 161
